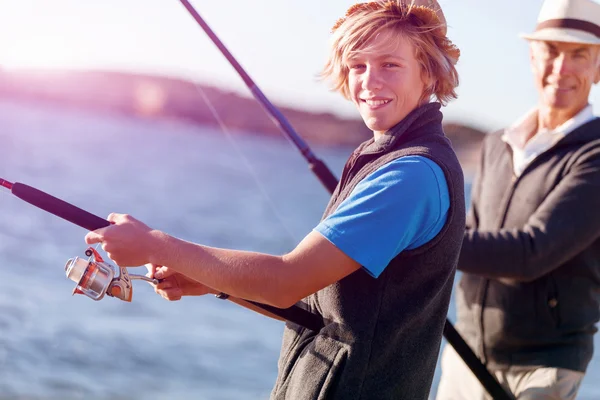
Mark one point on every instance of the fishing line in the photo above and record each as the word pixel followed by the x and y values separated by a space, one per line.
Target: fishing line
pixel 247 162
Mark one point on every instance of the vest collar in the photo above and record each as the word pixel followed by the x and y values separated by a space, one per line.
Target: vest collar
pixel 406 129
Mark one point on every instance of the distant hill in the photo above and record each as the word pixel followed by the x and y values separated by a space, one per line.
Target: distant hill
pixel 466 140
pixel 150 96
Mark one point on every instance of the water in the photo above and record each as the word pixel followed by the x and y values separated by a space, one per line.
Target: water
pixel 187 180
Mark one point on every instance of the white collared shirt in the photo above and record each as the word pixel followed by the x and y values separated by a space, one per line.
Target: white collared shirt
pixel 541 141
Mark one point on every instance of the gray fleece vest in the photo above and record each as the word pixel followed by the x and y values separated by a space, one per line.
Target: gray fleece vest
pixel 382 336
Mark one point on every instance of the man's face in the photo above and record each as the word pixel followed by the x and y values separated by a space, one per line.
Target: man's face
pixel 385 80
pixel 564 74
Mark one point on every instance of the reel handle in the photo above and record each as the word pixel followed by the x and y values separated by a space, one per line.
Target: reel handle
pixel 154 281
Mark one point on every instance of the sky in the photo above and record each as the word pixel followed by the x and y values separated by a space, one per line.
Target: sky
pixel 282 44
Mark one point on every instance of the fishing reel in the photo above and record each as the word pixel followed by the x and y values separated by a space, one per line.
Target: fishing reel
pixel 95 277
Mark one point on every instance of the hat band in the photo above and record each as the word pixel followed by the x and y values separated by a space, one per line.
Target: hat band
pixel 570 23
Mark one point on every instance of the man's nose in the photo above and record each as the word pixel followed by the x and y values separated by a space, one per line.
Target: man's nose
pixel 561 64
pixel 372 79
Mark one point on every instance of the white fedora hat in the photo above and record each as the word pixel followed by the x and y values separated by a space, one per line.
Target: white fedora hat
pixel 573 21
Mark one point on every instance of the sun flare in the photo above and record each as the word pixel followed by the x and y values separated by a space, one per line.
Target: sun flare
pixel 38 52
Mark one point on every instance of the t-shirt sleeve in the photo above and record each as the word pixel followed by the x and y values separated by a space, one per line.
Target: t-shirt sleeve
pixel 400 206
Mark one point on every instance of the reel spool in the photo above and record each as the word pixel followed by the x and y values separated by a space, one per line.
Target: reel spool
pixel 95 277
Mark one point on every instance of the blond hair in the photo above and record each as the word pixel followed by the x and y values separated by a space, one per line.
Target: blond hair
pixel 420 25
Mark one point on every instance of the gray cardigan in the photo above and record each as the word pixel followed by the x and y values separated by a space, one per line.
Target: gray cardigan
pixel 530 292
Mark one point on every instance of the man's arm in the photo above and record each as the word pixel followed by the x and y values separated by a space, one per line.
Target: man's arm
pixel 377 221
pixel 280 281
pixel 565 224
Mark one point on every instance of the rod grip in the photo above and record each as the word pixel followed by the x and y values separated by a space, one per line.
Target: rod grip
pixel 58 207
pixel 295 314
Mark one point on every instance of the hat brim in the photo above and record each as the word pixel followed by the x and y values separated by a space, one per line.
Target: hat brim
pixel 563 35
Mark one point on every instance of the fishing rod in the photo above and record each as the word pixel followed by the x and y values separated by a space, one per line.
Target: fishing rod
pixel 95 277
pixel 316 165
pixel 328 179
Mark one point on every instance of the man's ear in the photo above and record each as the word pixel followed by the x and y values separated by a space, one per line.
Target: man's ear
pixel 597 71
pixel 428 86
pixel 427 80
pixel 531 56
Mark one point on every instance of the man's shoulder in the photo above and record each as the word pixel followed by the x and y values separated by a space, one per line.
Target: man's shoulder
pixel 493 139
pixel 588 133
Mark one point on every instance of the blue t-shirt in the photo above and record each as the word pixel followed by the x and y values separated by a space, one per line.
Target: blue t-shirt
pixel 401 206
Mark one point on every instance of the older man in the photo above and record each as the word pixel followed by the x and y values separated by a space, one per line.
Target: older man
pixel 529 297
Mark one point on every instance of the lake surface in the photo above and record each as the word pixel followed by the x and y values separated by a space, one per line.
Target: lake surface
pixel 243 191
